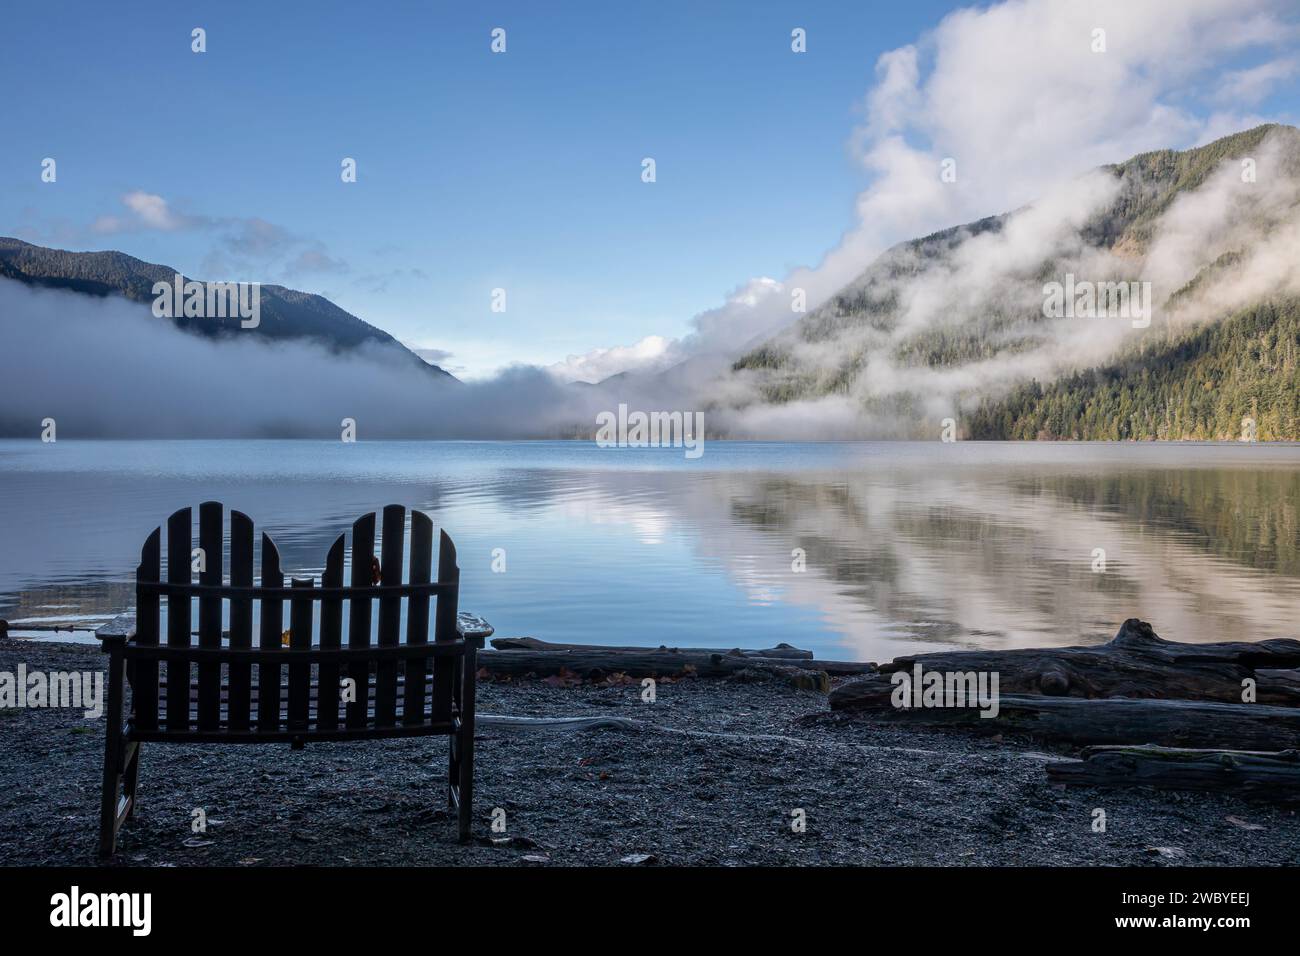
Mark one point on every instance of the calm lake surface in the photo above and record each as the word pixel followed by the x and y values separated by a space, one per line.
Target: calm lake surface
pixel 905 546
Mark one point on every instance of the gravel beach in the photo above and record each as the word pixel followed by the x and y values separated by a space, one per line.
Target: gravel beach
pixel 720 786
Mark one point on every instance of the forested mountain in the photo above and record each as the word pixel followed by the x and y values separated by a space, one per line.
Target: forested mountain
pixel 954 324
pixel 285 313
pixel 1211 386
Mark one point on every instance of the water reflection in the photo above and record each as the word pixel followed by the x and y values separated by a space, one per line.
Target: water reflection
pixel 905 545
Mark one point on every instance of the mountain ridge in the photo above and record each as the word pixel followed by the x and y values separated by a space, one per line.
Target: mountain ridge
pixel 286 314
pixel 870 324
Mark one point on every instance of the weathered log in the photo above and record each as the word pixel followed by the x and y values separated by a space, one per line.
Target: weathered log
pixel 599 662
pixel 833 668
pixel 1278 685
pixel 589 661
pixel 34 626
pixel 1136 663
pixel 650 662
pixel 1121 720
pixel 783 651
pixel 1259 775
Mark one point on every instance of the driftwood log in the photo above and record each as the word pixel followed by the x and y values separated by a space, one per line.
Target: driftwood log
pixel 596 662
pixel 35 626
pixel 1136 663
pixel 783 651
pixel 1260 775
pixel 1121 720
pixel 1280 686
pixel 524 656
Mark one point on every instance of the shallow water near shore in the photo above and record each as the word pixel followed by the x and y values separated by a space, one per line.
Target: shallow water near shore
pixel 853 550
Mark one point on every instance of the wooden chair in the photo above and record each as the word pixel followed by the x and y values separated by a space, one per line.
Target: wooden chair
pixel 183 692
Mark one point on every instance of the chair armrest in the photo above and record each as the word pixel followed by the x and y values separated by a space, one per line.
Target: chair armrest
pixel 473 628
pixel 117 631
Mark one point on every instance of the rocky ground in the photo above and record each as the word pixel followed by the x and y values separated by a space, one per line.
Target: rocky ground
pixel 721 785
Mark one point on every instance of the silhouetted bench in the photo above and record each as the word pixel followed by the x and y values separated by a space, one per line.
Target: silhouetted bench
pixel 304 689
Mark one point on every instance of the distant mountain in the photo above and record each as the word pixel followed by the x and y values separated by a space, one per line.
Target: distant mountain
pixel 286 314
pixel 954 323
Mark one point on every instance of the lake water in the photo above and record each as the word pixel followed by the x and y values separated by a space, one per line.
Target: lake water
pixel 905 546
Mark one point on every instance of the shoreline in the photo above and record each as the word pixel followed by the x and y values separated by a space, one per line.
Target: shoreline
pixel 718 787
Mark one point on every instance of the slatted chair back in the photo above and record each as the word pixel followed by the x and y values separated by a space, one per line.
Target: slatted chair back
pixel 291 686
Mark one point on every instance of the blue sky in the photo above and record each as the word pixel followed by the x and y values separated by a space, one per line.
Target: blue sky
pixel 520 171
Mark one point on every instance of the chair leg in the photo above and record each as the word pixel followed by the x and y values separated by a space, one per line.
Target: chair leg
pixel 108 803
pixel 130 780
pixel 453 771
pixel 113 747
pixel 466 782
pixel 466 744
pixel 453 753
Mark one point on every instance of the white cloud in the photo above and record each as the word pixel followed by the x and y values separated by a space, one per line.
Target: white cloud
pixel 1015 95
pixel 433 356
pixel 312 261
pixel 152 210
pixel 1247 87
pixel 245 247
pixel 651 353
pixel 147 211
